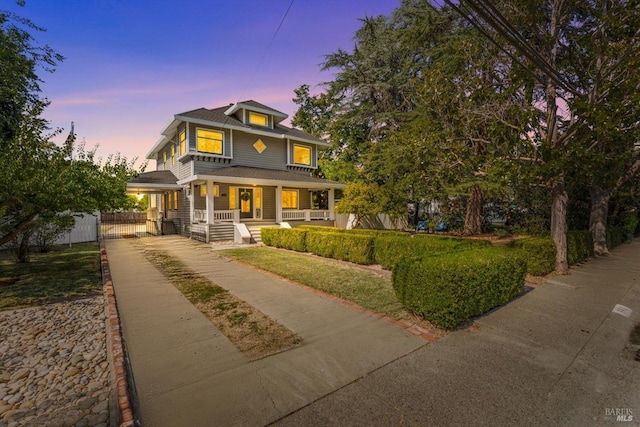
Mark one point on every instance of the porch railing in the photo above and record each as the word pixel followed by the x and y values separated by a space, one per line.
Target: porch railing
pixel 305 215
pixel 232 215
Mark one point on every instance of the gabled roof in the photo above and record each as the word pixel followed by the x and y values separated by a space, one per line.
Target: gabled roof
pixel 257 107
pixel 223 117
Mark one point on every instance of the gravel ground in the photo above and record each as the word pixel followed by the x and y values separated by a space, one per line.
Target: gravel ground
pixel 53 365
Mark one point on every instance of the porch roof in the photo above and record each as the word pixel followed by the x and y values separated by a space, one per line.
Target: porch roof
pixel 153 182
pixel 258 176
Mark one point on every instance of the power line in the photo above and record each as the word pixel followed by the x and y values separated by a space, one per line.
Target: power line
pixel 494 19
pixel 266 50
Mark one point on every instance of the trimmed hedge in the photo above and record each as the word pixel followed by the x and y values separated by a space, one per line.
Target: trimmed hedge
pixel 449 290
pixel 388 250
pixel 343 246
pixel 540 253
pixel 579 246
pixel 286 238
pixel 615 236
pixel 361 231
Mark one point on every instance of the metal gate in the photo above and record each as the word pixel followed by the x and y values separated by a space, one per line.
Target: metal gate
pixel 122 225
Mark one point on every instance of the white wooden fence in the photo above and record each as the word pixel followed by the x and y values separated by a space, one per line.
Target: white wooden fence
pixel 84 230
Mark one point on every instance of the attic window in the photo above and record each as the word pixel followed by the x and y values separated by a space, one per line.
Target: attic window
pixel 258 119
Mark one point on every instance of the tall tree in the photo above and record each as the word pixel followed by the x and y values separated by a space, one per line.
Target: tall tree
pixel 554 41
pixel 39 179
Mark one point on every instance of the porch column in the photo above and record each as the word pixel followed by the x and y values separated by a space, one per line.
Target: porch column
pixel 192 198
pixel 210 216
pixel 279 204
pixel 332 204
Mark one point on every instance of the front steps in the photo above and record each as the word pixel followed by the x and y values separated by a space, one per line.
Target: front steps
pixel 254 229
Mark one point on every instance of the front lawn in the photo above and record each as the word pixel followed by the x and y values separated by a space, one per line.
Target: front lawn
pixel 344 280
pixel 64 273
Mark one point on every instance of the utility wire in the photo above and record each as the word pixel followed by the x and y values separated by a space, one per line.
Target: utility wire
pixel 266 50
pixel 494 19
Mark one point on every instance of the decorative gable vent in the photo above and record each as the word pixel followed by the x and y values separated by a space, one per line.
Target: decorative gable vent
pixel 259 146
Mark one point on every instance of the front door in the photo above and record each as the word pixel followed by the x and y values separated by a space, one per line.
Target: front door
pixel 246 203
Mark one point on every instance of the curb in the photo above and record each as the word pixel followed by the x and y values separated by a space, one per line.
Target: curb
pixel 120 378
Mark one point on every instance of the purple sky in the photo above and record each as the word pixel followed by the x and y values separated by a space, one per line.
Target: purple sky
pixel 131 64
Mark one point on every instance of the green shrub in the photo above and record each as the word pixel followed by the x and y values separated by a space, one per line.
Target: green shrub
pixel 360 231
pixel 388 250
pixel 631 223
pixel 540 253
pixel 615 236
pixel 343 246
pixel 286 238
pixel 448 290
pixel 579 246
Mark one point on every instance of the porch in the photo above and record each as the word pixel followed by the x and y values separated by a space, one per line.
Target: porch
pixel 233 216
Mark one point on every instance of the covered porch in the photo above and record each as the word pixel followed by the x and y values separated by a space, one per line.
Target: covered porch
pixel 245 195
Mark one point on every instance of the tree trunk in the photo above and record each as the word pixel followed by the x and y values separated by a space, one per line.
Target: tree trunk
pixel 559 224
pixel 598 219
pixel 473 217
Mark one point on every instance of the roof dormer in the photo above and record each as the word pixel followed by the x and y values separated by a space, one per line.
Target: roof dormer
pixel 253 113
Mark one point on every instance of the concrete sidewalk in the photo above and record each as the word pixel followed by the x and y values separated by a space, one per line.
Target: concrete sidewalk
pixel 560 355
pixel 188 374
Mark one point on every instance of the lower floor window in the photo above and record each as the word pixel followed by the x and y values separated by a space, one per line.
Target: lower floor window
pixel 290 199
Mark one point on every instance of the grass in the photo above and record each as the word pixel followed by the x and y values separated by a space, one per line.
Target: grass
pixel 365 288
pixel 253 333
pixel 62 274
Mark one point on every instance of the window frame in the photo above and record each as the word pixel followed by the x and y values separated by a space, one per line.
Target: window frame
pixel 253 114
pixel 297 197
pixel 222 141
pixel 173 155
pixel 182 141
pixel 307 147
pixel 203 190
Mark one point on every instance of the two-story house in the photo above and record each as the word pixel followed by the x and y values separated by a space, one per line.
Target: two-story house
pixel 220 170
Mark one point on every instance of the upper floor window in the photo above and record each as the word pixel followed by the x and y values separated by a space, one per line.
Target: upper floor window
pixel 258 119
pixel 209 141
pixel 183 142
pixel 164 160
pixel 301 155
pixel 173 155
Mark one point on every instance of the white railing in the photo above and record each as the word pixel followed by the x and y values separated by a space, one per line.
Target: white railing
pixel 232 215
pixel 305 215
pixel 199 215
pixel 228 215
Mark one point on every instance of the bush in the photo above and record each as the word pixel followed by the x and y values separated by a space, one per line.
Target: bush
pixel 388 250
pixel 343 246
pixel 449 290
pixel 579 246
pixel 615 236
pixel 286 238
pixel 631 223
pixel 540 253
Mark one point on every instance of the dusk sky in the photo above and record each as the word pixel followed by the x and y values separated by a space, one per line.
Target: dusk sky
pixel 131 65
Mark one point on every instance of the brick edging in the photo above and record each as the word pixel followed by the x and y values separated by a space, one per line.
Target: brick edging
pixel 114 333
pixel 407 326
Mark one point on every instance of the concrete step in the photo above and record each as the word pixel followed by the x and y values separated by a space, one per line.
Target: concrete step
pixel 254 229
